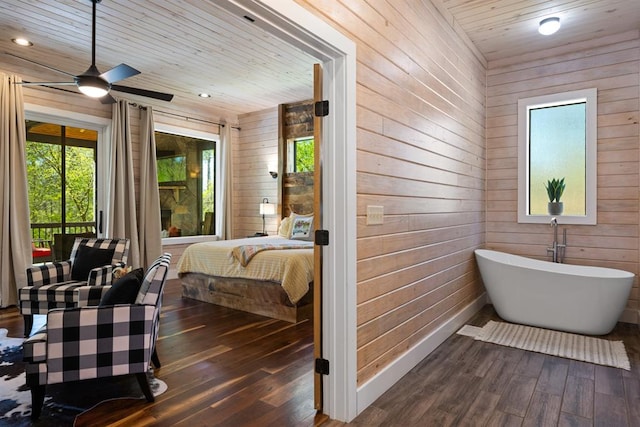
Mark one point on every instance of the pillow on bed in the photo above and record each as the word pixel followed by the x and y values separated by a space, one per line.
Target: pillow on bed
pixel 302 228
pixel 285 227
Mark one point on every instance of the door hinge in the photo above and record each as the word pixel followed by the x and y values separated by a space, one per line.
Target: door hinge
pixel 322 237
pixel 321 108
pixel 322 366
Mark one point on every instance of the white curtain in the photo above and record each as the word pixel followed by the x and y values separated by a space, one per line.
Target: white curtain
pixel 15 229
pixel 122 220
pixel 149 219
pixel 224 224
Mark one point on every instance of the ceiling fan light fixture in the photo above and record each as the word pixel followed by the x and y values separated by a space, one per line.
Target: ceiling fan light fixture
pixel 549 26
pixel 93 86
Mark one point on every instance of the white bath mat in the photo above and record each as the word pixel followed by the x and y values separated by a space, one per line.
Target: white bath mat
pixel 555 343
pixel 470 331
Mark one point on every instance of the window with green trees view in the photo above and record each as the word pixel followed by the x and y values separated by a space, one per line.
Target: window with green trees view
pixel 301 151
pixel 61 175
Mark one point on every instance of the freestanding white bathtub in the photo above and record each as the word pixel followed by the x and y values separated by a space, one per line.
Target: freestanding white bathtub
pixel 572 298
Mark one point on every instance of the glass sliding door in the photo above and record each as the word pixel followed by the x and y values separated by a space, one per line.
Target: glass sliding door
pixel 61 175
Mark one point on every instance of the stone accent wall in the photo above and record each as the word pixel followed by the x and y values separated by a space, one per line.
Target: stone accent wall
pixel 297 188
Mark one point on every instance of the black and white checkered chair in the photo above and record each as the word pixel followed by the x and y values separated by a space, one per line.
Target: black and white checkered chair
pixel 51 285
pixel 98 341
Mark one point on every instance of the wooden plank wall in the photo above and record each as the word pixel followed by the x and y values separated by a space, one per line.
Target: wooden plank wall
pixel 612 65
pixel 420 154
pixel 256 150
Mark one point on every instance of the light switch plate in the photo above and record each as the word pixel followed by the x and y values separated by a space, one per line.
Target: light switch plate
pixel 375 215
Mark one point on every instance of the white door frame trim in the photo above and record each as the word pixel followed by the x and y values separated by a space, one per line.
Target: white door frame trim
pixel 296 25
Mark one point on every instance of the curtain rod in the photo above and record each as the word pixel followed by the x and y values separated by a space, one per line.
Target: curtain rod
pixel 187 118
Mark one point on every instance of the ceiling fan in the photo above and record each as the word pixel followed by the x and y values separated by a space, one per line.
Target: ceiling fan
pixel 95 84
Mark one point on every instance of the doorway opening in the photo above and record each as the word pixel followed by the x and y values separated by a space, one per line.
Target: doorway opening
pixel 291 22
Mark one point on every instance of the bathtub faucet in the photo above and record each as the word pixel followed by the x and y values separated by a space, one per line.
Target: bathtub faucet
pixel 557 249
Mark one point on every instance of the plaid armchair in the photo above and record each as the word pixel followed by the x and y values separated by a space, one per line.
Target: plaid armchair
pixel 51 285
pixel 98 341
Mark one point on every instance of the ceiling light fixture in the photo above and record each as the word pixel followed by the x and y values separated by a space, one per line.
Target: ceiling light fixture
pixel 22 42
pixel 204 95
pixel 549 26
pixel 91 84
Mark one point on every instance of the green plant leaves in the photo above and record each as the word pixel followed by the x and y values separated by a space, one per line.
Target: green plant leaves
pixel 555 189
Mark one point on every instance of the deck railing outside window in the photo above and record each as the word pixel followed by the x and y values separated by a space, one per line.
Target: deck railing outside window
pixel 44 232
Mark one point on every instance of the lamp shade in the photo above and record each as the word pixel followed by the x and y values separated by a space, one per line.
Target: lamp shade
pixel 267 208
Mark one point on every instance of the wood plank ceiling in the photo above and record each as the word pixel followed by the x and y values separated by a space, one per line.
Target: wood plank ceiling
pixel 181 47
pixel 504 28
pixel 188 47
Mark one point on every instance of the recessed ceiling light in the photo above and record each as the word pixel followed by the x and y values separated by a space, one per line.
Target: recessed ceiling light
pixel 204 95
pixel 549 26
pixel 22 42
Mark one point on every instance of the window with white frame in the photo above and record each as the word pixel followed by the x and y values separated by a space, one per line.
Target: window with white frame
pixel 557 141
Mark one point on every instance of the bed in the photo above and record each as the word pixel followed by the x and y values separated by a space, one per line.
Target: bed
pixel 271 275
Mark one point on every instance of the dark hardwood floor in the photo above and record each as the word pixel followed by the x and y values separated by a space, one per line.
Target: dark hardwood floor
pixel 472 383
pixel 223 368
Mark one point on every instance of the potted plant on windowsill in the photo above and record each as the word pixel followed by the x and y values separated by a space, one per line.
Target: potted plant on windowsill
pixel 555 188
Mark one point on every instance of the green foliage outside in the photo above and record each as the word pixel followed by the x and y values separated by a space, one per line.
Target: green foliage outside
pixel 44 177
pixel 304 155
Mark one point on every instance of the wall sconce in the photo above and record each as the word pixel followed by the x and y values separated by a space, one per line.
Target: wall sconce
pixel 266 208
pixel 549 26
pixel 273 174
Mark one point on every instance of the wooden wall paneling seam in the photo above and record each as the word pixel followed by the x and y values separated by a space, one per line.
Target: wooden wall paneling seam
pixel 377 354
pixel 397 314
pixel 379 307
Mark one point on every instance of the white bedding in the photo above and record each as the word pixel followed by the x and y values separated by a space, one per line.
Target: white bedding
pixel 292 268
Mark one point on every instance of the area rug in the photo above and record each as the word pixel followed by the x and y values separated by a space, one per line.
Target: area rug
pixel 555 343
pixel 63 402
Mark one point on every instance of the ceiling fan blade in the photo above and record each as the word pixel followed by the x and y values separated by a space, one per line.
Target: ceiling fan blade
pixel 143 92
pixel 119 72
pixel 26 83
pixel 107 99
pixel 39 64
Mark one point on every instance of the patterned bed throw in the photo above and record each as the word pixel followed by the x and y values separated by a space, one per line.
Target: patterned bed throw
pixel 244 253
